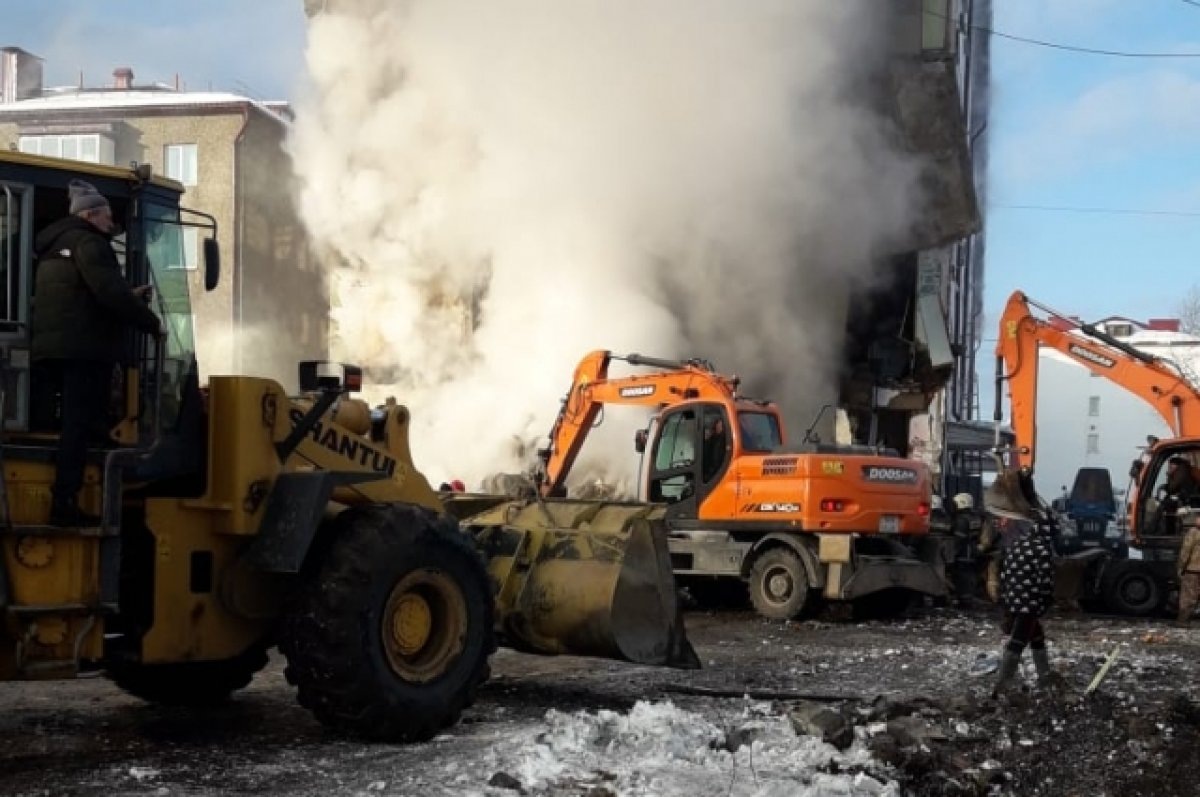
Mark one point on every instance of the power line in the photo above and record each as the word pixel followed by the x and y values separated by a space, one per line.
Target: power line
pixel 1107 211
pixel 1071 47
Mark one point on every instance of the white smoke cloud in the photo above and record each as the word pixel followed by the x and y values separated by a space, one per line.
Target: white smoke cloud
pixel 516 183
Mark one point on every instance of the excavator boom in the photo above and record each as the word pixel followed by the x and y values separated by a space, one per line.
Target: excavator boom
pixel 591 389
pixel 1157 381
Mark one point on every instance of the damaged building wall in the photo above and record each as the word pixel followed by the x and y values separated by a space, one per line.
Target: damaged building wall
pixel 912 337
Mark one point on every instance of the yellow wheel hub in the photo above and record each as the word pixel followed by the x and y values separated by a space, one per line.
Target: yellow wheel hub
pixel 424 625
pixel 411 623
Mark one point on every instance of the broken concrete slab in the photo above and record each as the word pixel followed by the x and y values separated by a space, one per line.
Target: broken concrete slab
pixel 815 719
pixel 914 732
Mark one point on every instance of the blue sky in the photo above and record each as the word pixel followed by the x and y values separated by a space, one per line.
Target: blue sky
pixel 1066 129
pixel 1090 131
pixel 255 47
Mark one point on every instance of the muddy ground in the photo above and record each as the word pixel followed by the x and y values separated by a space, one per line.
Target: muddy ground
pixel 911 691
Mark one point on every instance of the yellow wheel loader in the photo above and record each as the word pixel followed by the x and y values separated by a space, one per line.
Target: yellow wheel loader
pixel 234 517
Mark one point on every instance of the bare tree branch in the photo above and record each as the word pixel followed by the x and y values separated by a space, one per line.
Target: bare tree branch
pixel 1188 311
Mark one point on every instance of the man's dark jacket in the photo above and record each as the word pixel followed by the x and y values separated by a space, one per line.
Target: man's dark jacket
pixel 82 304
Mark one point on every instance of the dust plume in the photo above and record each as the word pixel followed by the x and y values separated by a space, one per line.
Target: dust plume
pixel 513 184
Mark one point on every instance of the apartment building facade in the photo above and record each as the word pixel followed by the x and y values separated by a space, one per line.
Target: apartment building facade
pixel 271 308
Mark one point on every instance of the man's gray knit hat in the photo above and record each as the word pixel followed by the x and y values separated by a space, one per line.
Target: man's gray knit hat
pixel 84 196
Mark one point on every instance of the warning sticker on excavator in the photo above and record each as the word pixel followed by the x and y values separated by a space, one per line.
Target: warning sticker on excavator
pixel 833 467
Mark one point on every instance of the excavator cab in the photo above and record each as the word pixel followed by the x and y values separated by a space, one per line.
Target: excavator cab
pixel 690 448
pixel 1169 483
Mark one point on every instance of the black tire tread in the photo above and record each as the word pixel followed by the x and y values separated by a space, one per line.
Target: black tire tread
pixel 761 604
pixel 1113 577
pixel 327 658
pixel 198 683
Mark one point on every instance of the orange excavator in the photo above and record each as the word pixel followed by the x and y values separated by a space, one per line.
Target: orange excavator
pixel 845 522
pixel 1137 586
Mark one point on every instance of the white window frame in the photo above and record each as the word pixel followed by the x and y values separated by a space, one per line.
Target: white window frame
pixel 54 146
pixel 181 162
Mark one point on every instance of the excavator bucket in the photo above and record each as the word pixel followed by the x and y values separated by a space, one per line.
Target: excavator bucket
pixel 583 578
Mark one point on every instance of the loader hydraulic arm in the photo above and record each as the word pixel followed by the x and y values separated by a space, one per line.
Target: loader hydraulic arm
pixel 591 389
pixel 1153 379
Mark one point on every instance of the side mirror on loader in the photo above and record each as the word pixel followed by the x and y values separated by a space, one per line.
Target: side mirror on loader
pixel 321 376
pixel 212 264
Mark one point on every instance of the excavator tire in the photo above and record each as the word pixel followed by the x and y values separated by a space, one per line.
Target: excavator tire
pixel 1132 589
pixel 779 584
pixel 197 683
pixel 389 637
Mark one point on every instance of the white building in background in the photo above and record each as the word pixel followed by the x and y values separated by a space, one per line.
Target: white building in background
pixel 1088 420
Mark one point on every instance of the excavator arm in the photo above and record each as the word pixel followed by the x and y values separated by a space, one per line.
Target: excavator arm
pixel 591 389
pixel 1155 380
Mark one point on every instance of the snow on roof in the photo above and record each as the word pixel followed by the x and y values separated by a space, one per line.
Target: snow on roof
pixel 81 100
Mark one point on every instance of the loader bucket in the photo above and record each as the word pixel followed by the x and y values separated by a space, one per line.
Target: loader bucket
pixel 583 578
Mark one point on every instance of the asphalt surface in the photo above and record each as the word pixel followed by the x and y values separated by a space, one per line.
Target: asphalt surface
pixel 1137 731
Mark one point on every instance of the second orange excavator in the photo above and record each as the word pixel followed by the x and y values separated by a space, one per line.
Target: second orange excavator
pixel 1165 483
pixel 796 523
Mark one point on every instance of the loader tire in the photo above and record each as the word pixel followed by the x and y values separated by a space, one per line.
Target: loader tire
pixel 389 638
pixel 195 683
pixel 779 584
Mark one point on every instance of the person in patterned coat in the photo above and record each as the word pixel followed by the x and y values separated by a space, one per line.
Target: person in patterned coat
pixel 1026 583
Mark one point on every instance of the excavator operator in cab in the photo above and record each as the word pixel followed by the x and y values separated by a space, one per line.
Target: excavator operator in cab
pixel 716 446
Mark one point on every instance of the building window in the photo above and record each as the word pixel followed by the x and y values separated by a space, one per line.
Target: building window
pixel 181 163
pixel 88 147
pixel 1094 406
pixel 937 25
pixel 1093 444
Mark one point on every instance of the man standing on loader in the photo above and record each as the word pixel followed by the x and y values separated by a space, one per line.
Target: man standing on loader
pixel 82 308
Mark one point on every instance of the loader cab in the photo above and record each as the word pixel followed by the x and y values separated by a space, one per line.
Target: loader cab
pixel 156 399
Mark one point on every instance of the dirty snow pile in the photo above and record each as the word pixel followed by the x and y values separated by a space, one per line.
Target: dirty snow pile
pixel 658 748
